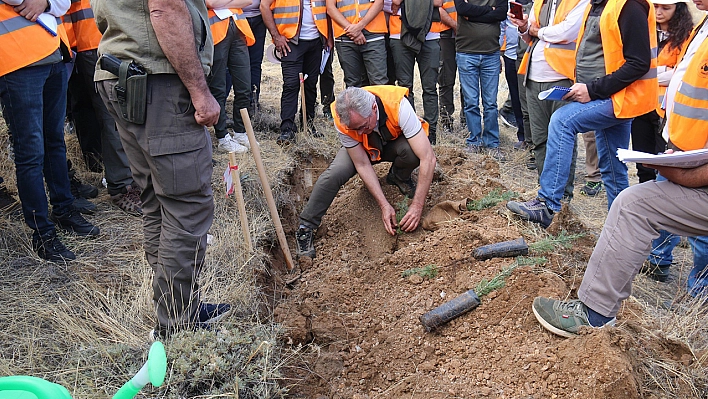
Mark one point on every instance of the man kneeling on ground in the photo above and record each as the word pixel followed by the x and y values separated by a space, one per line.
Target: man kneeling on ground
pixel 375 124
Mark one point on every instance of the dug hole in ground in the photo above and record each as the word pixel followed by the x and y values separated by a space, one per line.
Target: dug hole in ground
pixel 345 324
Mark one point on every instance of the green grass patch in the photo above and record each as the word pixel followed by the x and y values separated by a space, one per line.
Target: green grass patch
pixel 429 272
pixel 492 199
pixel 551 243
pixel 531 260
pixel 401 210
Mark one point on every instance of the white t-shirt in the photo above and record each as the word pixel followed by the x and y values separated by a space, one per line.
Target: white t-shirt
pixel 308 30
pixel 407 120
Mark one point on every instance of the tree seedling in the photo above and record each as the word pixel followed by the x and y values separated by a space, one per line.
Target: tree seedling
pixel 429 272
pixel 492 199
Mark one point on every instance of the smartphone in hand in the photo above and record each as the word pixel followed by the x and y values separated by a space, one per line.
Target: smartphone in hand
pixel 516 9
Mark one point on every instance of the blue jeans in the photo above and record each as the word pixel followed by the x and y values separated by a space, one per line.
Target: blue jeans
pixel 34 105
pixel 480 72
pixel 610 134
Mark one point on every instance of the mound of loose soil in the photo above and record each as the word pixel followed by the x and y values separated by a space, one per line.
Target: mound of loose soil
pixel 361 315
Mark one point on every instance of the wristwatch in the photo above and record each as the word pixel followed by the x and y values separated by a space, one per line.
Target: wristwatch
pixel 49 6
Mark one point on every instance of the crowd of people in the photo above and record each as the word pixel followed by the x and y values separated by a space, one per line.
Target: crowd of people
pixel 140 86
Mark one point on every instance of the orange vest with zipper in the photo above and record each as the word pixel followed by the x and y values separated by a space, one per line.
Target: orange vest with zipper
pixel 219 27
pixel 560 56
pixel 354 11
pixel 390 97
pixel 23 42
pixel 80 24
pixel 667 58
pixel 637 98
pixel 449 7
pixel 286 14
pixel 688 122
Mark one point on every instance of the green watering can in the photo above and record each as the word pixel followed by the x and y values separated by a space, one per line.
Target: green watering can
pixel 26 387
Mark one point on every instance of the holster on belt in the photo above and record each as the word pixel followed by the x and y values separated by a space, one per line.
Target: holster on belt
pixel 131 92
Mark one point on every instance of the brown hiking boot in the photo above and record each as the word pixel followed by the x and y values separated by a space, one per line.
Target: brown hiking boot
pixel 129 201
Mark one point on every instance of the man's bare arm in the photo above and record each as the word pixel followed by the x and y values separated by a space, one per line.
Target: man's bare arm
pixel 212 4
pixel 446 19
pixel 691 178
pixel 280 42
pixel 173 27
pixel 424 151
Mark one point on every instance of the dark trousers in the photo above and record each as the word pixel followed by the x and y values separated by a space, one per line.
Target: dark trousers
pixel 446 81
pixel 398 152
pixel 305 57
pixel 86 122
pixel 255 55
pixel 327 85
pixel 513 82
pixel 646 137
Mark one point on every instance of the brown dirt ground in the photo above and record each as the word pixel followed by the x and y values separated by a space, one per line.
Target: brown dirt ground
pixel 353 318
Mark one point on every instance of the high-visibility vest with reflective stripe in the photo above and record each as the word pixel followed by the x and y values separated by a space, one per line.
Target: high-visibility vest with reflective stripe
pixel 79 19
pixel 668 58
pixel 354 11
pixel 560 56
pixel 23 42
pixel 391 97
pixel 449 6
pixel 286 14
pixel 688 122
pixel 637 98
pixel 219 27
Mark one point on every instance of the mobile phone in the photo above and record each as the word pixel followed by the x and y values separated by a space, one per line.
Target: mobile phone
pixel 516 9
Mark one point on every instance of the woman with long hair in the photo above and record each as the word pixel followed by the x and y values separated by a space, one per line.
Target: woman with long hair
pixel 673 26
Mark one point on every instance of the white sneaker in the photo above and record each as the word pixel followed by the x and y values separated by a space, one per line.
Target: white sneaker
pixel 228 144
pixel 242 138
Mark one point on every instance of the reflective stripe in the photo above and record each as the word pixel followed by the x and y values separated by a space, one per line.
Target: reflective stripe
pixel 450 9
pixel 284 21
pixel 349 13
pixel 214 20
pixel 654 52
pixel 81 15
pixel 320 16
pixel 362 13
pixel 13 24
pixel 690 112
pixel 566 46
pixel 282 10
pixel 344 3
pixel 649 75
pixel 696 93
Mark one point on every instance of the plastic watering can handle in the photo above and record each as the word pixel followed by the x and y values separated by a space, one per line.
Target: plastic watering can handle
pixel 40 388
pixel 153 371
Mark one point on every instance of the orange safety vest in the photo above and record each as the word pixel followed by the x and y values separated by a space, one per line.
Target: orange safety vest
pixel 688 122
pixel 668 58
pixel 23 42
pixel 637 98
pixel 354 11
pixel 449 6
pixel 390 97
pixel 286 14
pixel 219 27
pixel 80 24
pixel 560 56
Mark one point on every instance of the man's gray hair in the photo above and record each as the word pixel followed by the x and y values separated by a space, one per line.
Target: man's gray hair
pixel 354 99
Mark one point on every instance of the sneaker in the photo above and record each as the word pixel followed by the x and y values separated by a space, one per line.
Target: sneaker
pixel 497 154
pixel 407 187
pixel 84 206
pixel 305 242
pixel 655 272
pixel 50 248
pixel 508 119
pixel 228 144
pixel 534 211
pixel 8 203
pixel 286 137
pixel 563 318
pixel 129 201
pixel 591 188
pixel 207 315
pixel 72 221
pixel 242 138
pixel 474 149
pixel 78 188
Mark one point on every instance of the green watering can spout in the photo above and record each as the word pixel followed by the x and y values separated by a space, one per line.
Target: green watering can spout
pixel 153 371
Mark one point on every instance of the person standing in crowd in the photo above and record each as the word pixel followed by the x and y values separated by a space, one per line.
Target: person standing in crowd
pixel 479 64
pixel 33 86
pixel 448 68
pixel 252 13
pixel 125 194
pixel 299 32
pixel 423 48
pixel 169 148
pixel 511 39
pixel 551 30
pixel 615 69
pixel 232 36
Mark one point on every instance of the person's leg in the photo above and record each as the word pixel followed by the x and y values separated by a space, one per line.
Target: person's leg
pixel 697 283
pixel 311 68
pixel 404 59
pixel 614 172
pixel 239 66
pixel 636 217
pixel 327 86
pixel 81 112
pixel 644 132
pixel 469 70
pixel 291 65
pixel 403 159
pixel 217 83
pixel 446 80
pixel 592 167
pixel 352 64
pixel 428 65
pixel 374 57
pixel 489 82
pixel 540 112
pixel 326 188
pixel 513 83
pixel 255 57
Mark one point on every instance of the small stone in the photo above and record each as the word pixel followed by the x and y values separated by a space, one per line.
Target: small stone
pixel 415 279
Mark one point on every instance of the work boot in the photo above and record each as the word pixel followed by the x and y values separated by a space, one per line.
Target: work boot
pixel 305 242
pixel 656 272
pixel 49 247
pixel 84 206
pixel 129 201
pixel 78 188
pixel 407 187
pixel 286 137
pixel 73 222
